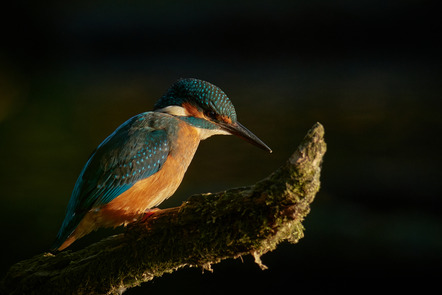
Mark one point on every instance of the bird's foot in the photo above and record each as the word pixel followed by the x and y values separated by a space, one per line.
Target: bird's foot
pixel 148 213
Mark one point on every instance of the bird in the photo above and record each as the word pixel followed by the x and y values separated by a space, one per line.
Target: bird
pixel 144 160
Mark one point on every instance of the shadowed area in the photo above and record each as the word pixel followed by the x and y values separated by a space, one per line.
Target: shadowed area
pixel 369 71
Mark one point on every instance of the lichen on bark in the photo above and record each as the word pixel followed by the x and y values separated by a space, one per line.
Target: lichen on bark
pixel 204 230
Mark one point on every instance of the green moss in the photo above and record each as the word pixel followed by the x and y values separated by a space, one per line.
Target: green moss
pixel 204 230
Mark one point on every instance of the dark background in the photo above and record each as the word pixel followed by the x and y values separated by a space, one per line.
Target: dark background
pixel 369 71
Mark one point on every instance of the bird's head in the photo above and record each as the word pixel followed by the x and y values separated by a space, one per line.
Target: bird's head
pixel 206 107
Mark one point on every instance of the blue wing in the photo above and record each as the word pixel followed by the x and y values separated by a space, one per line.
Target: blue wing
pixel 132 152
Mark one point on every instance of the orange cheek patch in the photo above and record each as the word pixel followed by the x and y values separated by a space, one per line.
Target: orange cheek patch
pixel 226 119
pixel 192 111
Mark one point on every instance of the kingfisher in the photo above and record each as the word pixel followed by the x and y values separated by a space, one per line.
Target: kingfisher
pixel 143 161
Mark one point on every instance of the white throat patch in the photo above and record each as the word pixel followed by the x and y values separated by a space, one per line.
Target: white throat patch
pixel 206 133
pixel 181 112
pixel 174 111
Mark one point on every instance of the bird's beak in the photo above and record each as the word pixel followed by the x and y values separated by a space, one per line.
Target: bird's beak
pixel 244 133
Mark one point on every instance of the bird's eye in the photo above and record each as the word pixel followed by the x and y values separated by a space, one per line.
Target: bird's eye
pixel 211 114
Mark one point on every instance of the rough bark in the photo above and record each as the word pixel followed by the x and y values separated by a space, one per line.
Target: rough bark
pixel 204 230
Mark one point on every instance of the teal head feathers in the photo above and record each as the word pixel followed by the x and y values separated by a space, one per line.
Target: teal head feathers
pixel 203 95
pixel 207 107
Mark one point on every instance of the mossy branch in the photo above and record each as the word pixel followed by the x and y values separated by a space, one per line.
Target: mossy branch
pixel 204 230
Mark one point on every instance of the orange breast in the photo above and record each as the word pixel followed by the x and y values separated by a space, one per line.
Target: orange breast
pixel 152 191
pixel 145 194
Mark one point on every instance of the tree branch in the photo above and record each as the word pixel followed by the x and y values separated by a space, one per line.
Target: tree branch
pixel 204 230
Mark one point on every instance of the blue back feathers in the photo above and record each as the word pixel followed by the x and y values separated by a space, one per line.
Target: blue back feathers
pixel 202 94
pixel 134 151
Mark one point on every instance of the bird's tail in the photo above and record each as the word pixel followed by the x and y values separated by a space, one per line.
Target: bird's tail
pixel 62 241
pixel 67 234
pixel 74 230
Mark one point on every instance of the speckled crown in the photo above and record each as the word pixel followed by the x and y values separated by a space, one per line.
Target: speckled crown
pixel 200 93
